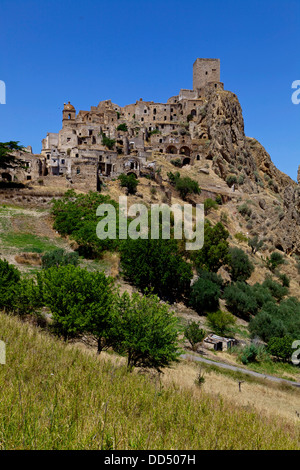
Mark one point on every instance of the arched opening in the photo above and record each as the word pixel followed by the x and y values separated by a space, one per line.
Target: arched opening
pixel 198 157
pixel 186 161
pixel 185 151
pixel 172 149
pixel 194 112
pixel 7 177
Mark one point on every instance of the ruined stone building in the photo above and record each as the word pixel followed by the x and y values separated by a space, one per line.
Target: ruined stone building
pixel 108 140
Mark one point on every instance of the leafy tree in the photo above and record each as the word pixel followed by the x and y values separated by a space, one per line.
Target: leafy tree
pixel 220 322
pixel 80 301
pixel 209 204
pixel 277 290
pixel 214 252
pixel 213 277
pixel 59 257
pixel 240 300
pixel 184 185
pixel 194 334
pixel 9 280
pixel 231 179
pixel 129 181
pixel 240 267
pixel 75 215
pixel 204 296
pixel 7 159
pixel 187 186
pixel 156 264
pixel 285 281
pixel 255 244
pixel 281 348
pixel 146 331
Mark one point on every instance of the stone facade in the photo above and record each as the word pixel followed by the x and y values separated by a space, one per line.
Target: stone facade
pixel 108 140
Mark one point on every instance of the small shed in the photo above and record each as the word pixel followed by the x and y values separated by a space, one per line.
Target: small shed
pixel 218 343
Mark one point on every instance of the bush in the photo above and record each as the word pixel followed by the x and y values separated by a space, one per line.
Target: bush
pixel 221 322
pixel 58 258
pixel 240 267
pixel 240 300
pixel 194 334
pixel 281 348
pixel 184 185
pixel 9 280
pixel 204 296
pixel 122 127
pixel 245 210
pixel 156 264
pixel 146 331
pixel 249 354
pixel 129 181
pixel 275 260
pixel 209 204
pixel 255 244
pixel 109 143
pixel 231 179
pixel 278 291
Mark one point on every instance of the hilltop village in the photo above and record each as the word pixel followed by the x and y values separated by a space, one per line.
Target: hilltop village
pixel 100 144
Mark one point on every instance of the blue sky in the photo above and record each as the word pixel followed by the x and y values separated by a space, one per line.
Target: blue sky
pixel 53 51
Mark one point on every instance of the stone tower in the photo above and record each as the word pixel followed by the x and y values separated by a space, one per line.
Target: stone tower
pixel 69 114
pixel 205 71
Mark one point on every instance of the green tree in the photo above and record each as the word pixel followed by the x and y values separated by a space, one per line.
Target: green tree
pixel 281 348
pixel 7 159
pixel 204 296
pixel 255 244
pixel 209 204
pixel 157 265
pixel 130 182
pixel 221 322
pixel 9 281
pixel 194 334
pixel 214 252
pixel 146 331
pixel 80 301
pixel 240 267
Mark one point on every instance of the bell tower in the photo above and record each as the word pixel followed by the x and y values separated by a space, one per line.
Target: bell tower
pixel 69 115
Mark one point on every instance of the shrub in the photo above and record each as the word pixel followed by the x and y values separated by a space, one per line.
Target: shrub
pixel 275 260
pixel 187 186
pixel 204 296
pixel 221 322
pixel 58 258
pixel 231 179
pixel 194 334
pixel 129 181
pixel 9 280
pixel 255 244
pixel 122 127
pixel 285 281
pixel 177 162
pixel 209 204
pixel 240 237
pixel 240 267
pixel 107 142
pixel 249 354
pixel 244 210
pixel 278 291
pixel 240 301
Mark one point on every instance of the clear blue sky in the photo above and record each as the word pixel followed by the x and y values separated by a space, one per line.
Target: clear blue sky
pixel 53 51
